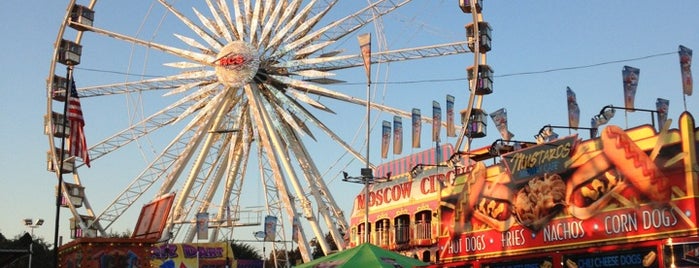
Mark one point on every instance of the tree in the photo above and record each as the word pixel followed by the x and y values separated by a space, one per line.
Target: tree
pixel 41 255
pixel 318 251
pixel 245 251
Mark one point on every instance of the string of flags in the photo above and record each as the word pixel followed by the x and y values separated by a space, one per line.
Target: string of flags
pixel 630 81
pixel 392 132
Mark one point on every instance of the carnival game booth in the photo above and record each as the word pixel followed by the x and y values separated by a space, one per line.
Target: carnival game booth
pixel 88 249
pixel 627 198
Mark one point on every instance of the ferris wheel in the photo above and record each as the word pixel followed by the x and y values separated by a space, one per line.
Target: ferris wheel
pixel 247 85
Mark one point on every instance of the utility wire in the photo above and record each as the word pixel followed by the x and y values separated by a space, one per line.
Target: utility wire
pixel 450 79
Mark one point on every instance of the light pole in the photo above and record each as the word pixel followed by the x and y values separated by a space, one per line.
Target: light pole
pixel 367 178
pixel 608 111
pixel 261 236
pixel 31 224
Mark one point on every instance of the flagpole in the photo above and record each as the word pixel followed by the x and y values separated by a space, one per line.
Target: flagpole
pixel 59 193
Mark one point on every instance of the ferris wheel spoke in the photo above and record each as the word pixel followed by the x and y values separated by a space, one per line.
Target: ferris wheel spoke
pixel 239 20
pixel 159 83
pixel 193 43
pixel 290 10
pixel 283 33
pixel 314 74
pixel 311 48
pixel 220 26
pixel 361 18
pixel 255 20
pixel 289 119
pixel 316 187
pixel 247 14
pixel 304 98
pixel 271 145
pixel 238 155
pixel 214 112
pixel 292 107
pixel 201 104
pixel 234 183
pixel 196 57
pixel 266 10
pixel 205 87
pixel 210 25
pixel 224 11
pixel 320 91
pixel 343 26
pixel 307 116
pixel 167 165
pixel 195 28
pixel 154 122
pixel 279 144
pixel 292 64
pixel 184 65
pixel 207 180
pixel 301 32
pixel 270 21
pixel 349 61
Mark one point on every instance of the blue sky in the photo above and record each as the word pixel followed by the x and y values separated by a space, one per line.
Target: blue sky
pixel 539 49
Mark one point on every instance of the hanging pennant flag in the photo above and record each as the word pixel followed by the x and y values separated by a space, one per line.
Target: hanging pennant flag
pixel 662 106
pixel 630 77
pixel 685 67
pixel 229 219
pixel 78 144
pixel 270 228
pixel 573 109
pixel 295 229
pixel 417 127
pixel 202 225
pixel 436 120
pixel 397 135
pixel 500 119
pixel 593 128
pixel 451 130
pixel 385 138
pixel 365 46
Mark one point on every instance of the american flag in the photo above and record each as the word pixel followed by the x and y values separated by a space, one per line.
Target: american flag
pixel 78 145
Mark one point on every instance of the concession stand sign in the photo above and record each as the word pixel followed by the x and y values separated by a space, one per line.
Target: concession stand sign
pixel 626 216
pixel 538 160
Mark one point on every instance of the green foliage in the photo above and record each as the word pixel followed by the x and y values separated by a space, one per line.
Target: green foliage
pixel 245 251
pixel 124 234
pixel 318 251
pixel 41 257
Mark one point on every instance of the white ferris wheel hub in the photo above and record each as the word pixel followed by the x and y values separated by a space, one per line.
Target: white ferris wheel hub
pixel 236 64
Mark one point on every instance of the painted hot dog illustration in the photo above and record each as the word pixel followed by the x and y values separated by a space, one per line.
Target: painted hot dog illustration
pixel 634 164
